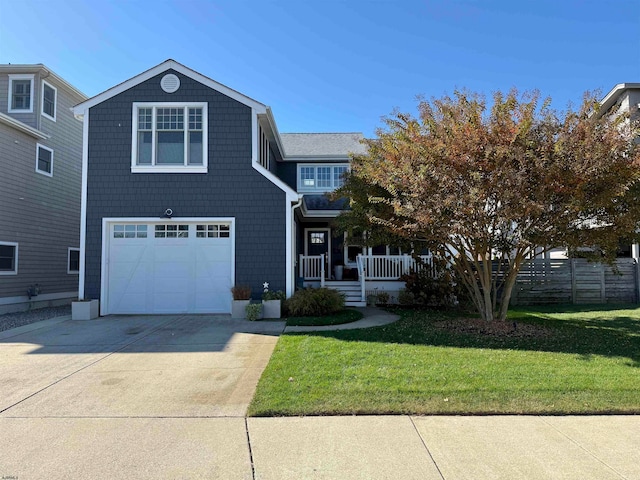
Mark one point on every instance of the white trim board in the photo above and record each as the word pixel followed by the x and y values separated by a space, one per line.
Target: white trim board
pixel 43 297
pixel 23 127
pixel 83 107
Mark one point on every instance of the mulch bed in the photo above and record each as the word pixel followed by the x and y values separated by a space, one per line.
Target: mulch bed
pixel 477 326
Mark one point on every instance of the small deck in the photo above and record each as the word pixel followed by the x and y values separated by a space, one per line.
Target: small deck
pixel 371 268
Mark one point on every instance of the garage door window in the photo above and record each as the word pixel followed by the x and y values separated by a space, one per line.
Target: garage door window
pixel 129 231
pixel 212 231
pixel 172 231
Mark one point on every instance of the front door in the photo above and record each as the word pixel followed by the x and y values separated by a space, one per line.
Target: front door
pixel 318 243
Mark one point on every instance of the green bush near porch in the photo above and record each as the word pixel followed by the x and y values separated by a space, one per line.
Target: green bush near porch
pixel 314 302
pixel 559 360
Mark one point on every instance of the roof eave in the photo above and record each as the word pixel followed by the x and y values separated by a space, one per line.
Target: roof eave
pixel 23 127
pixel 39 67
pixel 610 98
pixel 170 64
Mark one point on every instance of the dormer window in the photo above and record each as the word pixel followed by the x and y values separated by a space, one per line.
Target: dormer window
pixel 320 177
pixel 20 93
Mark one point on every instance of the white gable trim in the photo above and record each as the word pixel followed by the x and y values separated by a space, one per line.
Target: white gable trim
pixel 81 108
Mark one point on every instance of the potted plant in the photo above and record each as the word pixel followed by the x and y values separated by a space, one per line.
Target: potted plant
pixel 271 302
pixel 254 311
pixel 338 270
pixel 241 298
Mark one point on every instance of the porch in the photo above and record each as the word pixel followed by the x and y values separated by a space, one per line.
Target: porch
pixel 372 273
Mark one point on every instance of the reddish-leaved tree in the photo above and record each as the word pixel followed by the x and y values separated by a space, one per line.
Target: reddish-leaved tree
pixel 488 188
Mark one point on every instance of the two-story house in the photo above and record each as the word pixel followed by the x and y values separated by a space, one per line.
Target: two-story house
pixel 188 189
pixel 40 158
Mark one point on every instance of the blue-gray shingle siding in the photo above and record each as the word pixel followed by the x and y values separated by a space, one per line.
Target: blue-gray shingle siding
pixel 231 188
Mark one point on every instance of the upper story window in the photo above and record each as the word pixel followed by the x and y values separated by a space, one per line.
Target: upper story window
pixel 44 160
pixel 169 138
pixel 20 93
pixel 264 149
pixel 320 178
pixel 49 99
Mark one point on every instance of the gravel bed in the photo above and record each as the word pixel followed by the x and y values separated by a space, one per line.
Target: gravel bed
pixel 17 319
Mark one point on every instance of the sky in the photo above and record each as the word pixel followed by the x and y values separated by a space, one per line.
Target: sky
pixel 336 65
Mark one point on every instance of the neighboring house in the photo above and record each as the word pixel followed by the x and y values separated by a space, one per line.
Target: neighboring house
pixel 40 157
pixel 622 99
pixel 189 189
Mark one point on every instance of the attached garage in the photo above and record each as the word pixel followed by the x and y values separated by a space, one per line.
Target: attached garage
pixel 167 266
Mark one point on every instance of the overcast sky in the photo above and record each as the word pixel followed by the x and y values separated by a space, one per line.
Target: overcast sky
pixel 331 66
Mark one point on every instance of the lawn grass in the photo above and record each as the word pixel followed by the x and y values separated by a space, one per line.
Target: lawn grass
pixel 589 362
pixel 345 316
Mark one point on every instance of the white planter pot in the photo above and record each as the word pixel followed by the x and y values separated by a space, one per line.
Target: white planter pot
pixel 338 270
pixel 85 310
pixel 239 309
pixel 271 309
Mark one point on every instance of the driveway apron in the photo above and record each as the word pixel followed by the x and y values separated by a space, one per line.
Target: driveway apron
pixel 135 366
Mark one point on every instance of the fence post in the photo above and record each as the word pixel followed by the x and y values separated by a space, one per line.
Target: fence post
pixel 603 292
pixel 573 281
pixel 322 270
pixel 637 279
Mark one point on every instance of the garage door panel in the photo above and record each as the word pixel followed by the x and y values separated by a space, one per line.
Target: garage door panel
pixel 170 275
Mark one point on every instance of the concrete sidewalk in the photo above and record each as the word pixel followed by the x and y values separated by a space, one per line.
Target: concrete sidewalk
pixel 371 448
pixel 153 398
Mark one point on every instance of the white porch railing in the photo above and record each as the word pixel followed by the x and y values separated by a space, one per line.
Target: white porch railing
pixel 312 267
pixel 370 267
pixel 392 267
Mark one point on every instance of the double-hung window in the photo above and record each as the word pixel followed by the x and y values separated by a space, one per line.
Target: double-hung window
pixel 44 160
pixel 8 258
pixel 49 98
pixel 320 178
pixel 20 93
pixel 169 138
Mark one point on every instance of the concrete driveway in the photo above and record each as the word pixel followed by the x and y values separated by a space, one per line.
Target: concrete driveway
pixel 69 389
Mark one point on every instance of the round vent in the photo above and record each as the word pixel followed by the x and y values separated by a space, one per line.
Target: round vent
pixel 170 83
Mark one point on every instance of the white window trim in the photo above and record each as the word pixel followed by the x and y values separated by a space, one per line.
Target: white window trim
pixel 168 168
pixel 55 101
pixel 303 189
pixel 13 77
pixel 69 271
pixel 42 172
pixel 15 263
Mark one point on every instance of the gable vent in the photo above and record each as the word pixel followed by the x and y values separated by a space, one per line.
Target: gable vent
pixel 170 83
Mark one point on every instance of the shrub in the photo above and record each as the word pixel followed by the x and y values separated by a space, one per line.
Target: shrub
pixel 405 297
pixel 431 286
pixel 274 295
pixel 314 302
pixel 254 310
pixel 383 298
pixel 241 292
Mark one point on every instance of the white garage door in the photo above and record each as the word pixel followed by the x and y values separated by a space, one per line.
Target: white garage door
pixel 170 267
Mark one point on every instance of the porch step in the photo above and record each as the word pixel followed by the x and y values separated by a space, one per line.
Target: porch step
pixel 351 290
pixel 355 304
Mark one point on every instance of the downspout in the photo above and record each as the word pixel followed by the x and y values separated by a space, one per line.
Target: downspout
pixel 294 243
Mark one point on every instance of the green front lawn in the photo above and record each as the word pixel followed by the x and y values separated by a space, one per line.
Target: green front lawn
pixel 559 360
